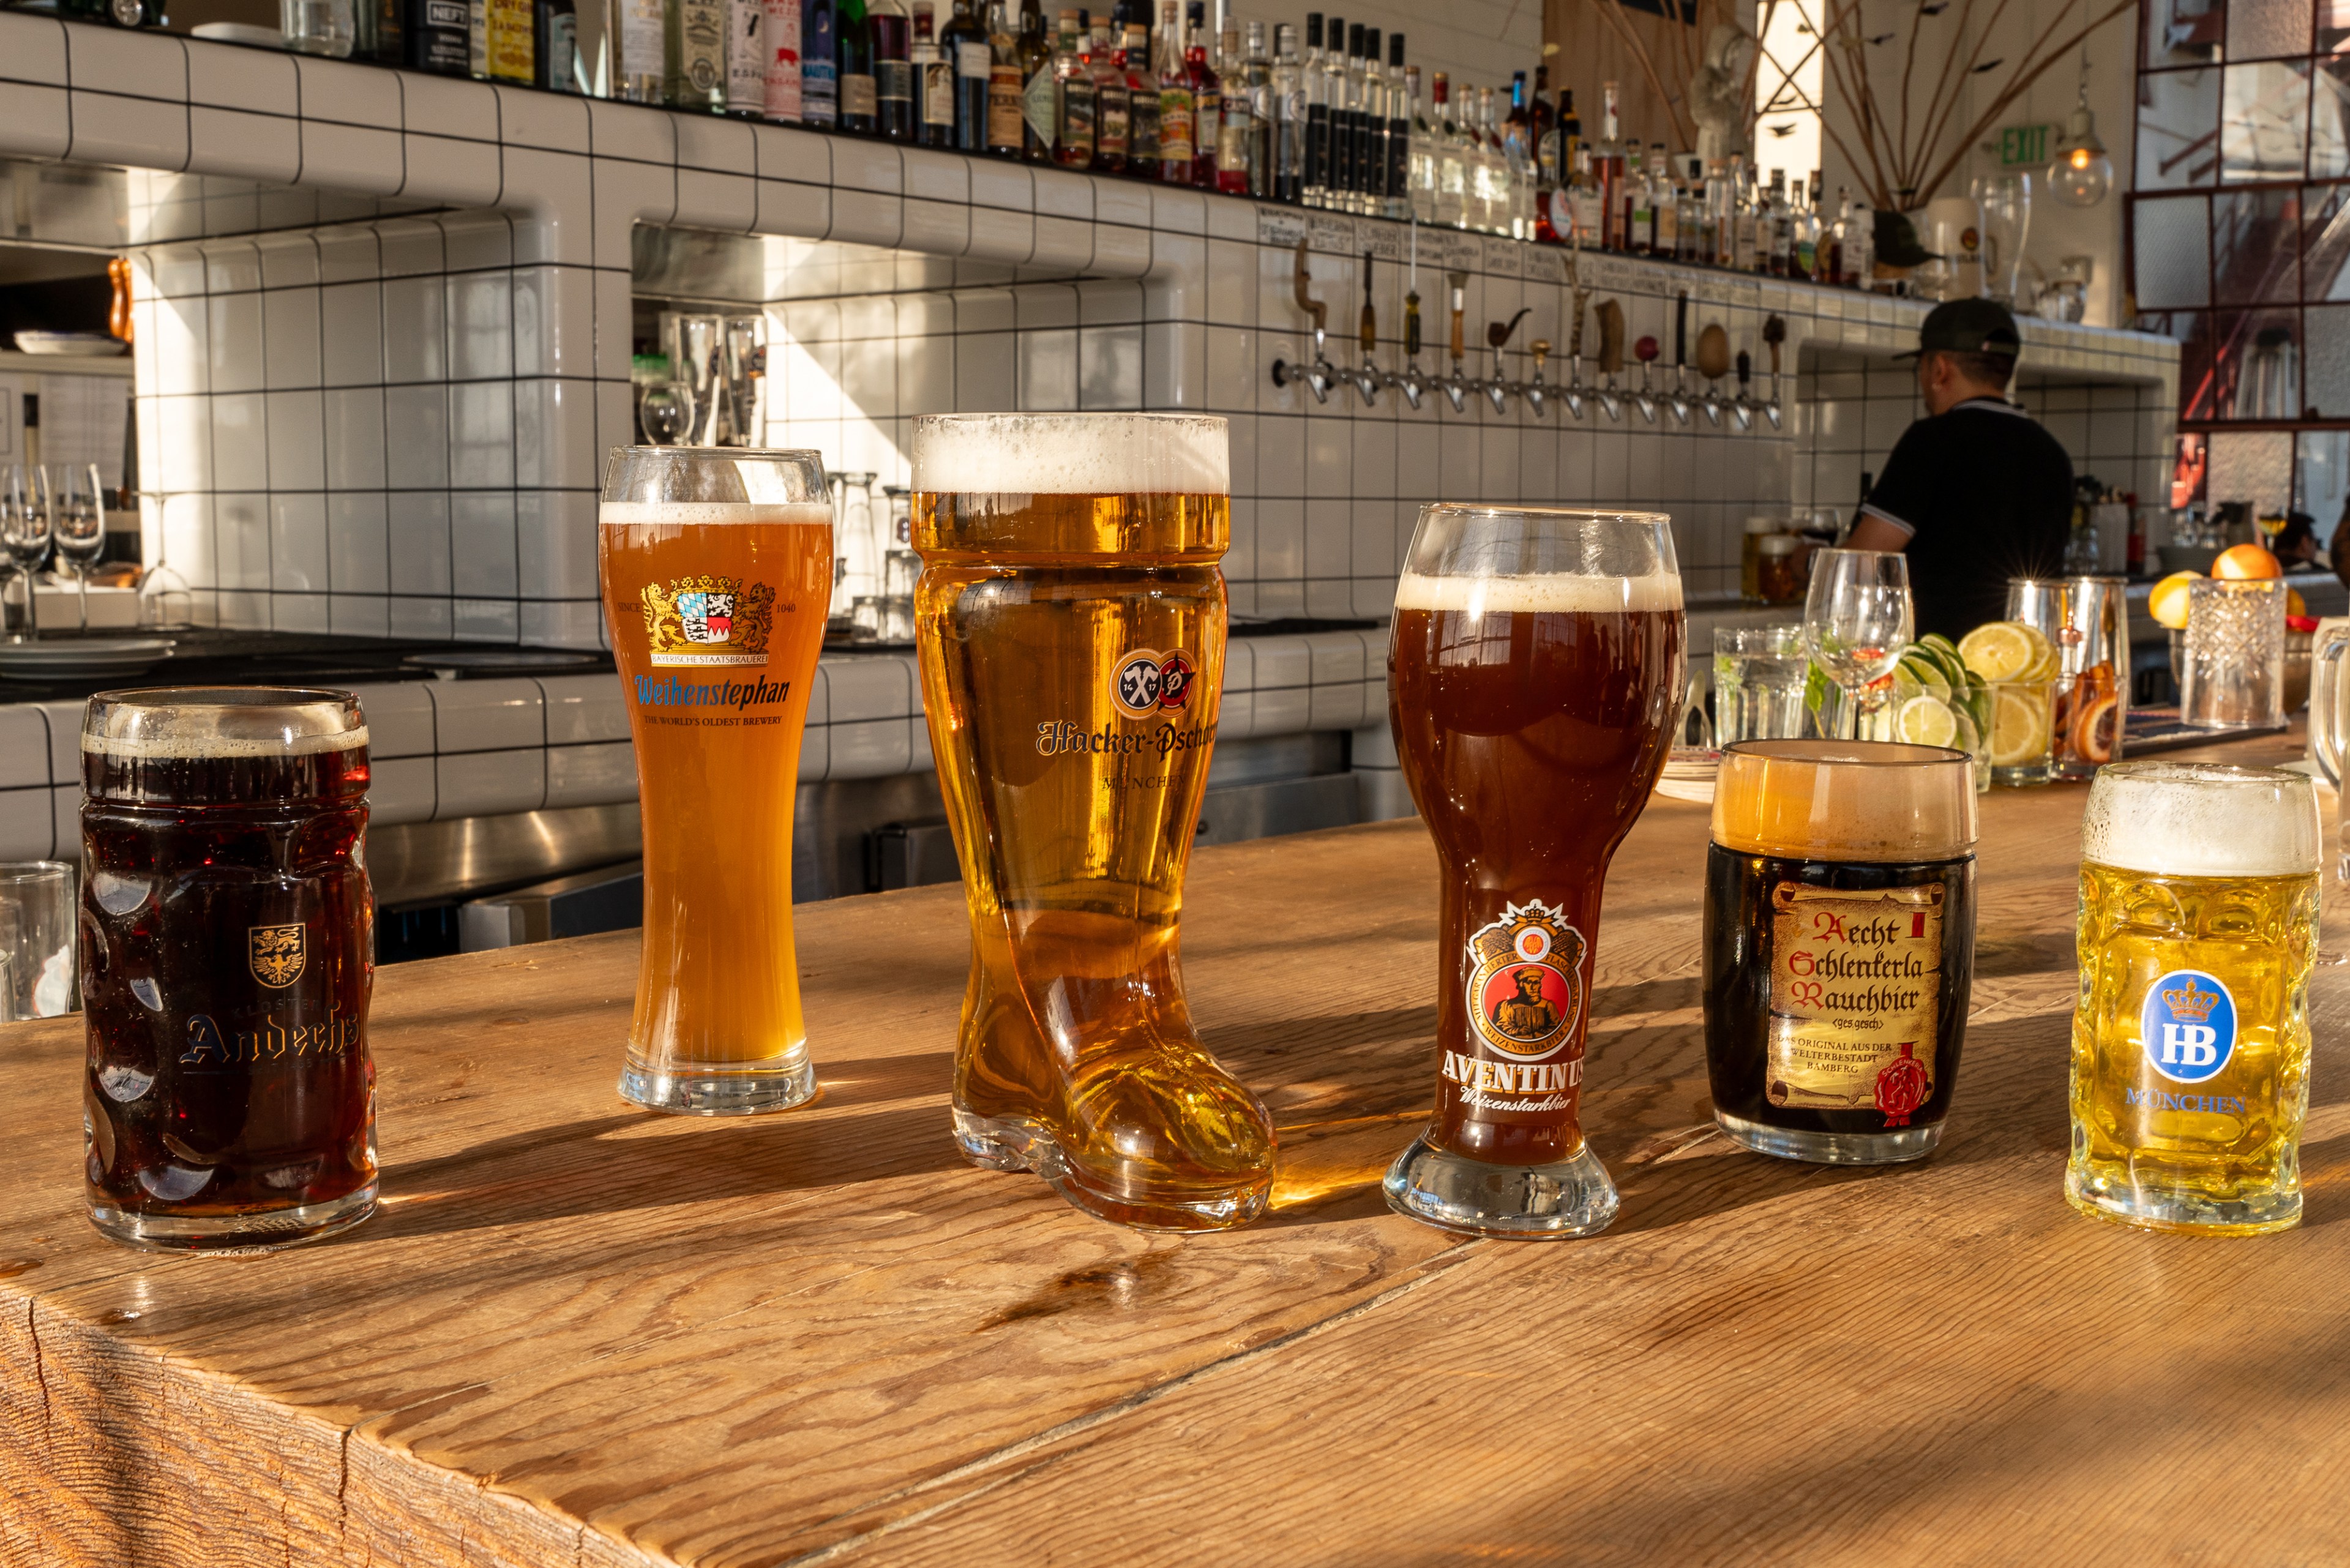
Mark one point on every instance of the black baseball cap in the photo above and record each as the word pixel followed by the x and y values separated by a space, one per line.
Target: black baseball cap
pixel 1968 327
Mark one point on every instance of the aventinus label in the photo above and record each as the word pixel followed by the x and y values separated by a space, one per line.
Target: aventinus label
pixel 1523 993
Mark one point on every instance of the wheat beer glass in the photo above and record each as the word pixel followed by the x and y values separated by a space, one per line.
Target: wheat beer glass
pixel 2191 1041
pixel 1533 680
pixel 1070 619
pixel 717 566
pixel 228 953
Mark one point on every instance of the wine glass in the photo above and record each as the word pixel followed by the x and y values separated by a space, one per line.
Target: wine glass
pixel 78 518
pixel 25 535
pixel 1856 622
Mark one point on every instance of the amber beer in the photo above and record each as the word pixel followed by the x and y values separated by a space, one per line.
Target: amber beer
pixel 717 567
pixel 1070 620
pixel 228 956
pixel 1535 675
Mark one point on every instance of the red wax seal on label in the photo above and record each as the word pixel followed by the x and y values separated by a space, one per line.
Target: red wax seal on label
pixel 1902 1087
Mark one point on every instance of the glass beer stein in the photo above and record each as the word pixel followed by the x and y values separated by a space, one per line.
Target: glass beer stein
pixel 228 956
pixel 1070 624
pixel 1534 676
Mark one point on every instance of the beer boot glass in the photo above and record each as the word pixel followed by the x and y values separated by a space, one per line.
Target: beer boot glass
pixel 1070 619
pixel 228 953
pixel 2191 1041
pixel 717 566
pixel 1534 680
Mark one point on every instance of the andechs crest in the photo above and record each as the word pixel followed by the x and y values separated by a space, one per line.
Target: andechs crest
pixel 1525 979
pixel 708 621
pixel 276 954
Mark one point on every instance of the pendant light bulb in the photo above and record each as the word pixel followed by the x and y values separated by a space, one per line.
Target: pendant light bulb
pixel 2081 174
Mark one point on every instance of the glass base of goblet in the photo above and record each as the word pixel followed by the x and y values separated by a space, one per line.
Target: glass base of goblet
pixel 270 1230
pixel 1893 1146
pixel 2024 775
pixel 1524 1203
pixel 1009 1143
pixel 705 1089
pixel 2181 1208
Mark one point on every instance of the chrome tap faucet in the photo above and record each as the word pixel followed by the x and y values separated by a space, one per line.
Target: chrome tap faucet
pixel 1775 333
pixel 1456 386
pixel 1408 380
pixel 1534 391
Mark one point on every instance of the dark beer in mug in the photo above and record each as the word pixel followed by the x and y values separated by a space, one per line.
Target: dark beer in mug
pixel 227 948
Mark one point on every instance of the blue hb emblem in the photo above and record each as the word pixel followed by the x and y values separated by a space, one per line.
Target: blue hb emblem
pixel 2188 1025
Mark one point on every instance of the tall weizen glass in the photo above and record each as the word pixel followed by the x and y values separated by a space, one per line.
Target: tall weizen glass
pixel 1070 622
pixel 717 566
pixel 1533 682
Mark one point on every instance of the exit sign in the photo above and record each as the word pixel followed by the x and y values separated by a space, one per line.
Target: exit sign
pixel 2024 146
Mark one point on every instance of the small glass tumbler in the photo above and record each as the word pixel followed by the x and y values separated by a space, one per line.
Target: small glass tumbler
pixel 2231 669
pixel 1759 673
pixel 2021 732
pixel 2092 700
pixel 36 940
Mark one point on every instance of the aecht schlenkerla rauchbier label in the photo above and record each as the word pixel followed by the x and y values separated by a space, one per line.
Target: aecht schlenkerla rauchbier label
pixel 1524 995
pixel 1856 991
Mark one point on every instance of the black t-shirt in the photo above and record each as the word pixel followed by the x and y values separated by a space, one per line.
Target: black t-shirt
pixel 1986 494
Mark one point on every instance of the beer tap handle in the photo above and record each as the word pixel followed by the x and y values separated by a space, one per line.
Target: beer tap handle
pixel 1611 336
pixel 1370 322
pixel 1301 282
pixel 1574 339
pixel 1540 349
pixel 1774 332
pixel 1459 282
pixel 1411 325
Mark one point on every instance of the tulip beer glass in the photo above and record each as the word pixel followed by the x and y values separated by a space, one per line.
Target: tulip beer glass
pixel 1533 680
pixel 228 953
pixel 2191 1041
pixel 1070 623
pixel 717 566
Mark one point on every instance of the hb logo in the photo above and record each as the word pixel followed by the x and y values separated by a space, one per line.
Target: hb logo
pixel 2188 1026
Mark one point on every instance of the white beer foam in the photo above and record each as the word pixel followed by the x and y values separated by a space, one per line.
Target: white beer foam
pixel 213 732
pixel 1541 593
pixel 2202 819
pixel 1073 454
pixel 619 514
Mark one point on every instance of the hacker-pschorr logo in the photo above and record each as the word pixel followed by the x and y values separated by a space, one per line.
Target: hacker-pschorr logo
pixel 276 954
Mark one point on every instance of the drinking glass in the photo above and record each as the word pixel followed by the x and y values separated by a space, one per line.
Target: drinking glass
pixel 36 940
pixel 78 519
pixel 2231 674
pixel 2021 731
pixel 24 535
pixel 2006 202
pixel 2092 702
pixel 1759 672
pixel 1856 623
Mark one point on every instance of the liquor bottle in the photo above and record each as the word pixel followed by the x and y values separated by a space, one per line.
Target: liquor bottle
pixel 437 36
pixel 1771 227
pixel 819 62
pixel 1420 172
pixel 1570 134
pixel 1495 164
pixel 1636 216
pixel 1451 191
pixel 1371 168
pixel 1695 247
pixel 555 43
pixel 1206 96
pixel 965 45
pixel 1264 109
pixel 1811 238
pixel 1289 116
pixel 501 41
pixel 1607 166
pixel 150 14
pixel 781 33
pixel 1831 261
pixel 1236 129
pixel 1860 247
pixel 1176 149
pixel 1544 114
pixel 1313 189
pixel 1356 149
pixel 1401 106
pixel 746 58
pixel 934 83
pixel 1113 100
pixel 1590 199
pixel 375 34
pixel 1517 132
pixel 1003 81
pixel 1664 206
pixel 853 47
pixel 891 28
pixel 1039 104
pixel 1073 99
pixel 1141 104
pixel 697 54
pixel 1334 93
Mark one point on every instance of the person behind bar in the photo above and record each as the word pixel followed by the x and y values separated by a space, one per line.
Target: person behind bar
pixel 1977 492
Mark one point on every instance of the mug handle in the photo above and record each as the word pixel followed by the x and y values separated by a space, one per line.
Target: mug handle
pixel 2325 704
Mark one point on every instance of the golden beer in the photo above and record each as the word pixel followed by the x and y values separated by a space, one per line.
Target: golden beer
pixel 1070 620
pixel 716 608
pixel 2191 1041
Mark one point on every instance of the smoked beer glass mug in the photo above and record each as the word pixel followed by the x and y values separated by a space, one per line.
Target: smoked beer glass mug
pixel 717 565
pixel 2191 1041
pixel 1839 946
pixel 227 958
pixel 1535 677
pixel 1070 624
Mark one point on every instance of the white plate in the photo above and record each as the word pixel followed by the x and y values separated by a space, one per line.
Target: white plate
pixel 82 656
pixel 89 343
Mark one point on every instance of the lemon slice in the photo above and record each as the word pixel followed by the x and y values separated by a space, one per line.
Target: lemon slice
pixel 1925 722
pixel 2018 728
pixel 1999 649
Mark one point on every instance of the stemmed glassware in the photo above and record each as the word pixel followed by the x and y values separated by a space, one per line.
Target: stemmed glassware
pixel 1856 622
pixel 25 535
pixel 78 519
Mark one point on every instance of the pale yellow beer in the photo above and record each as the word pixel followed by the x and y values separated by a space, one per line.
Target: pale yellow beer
pixel 717 704
pixel 2190 1040
pixel 1070 620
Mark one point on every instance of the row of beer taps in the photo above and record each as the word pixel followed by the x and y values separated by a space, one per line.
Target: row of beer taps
pixel 1714 361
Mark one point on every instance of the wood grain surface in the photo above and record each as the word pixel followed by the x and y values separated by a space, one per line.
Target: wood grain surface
pixel 580 1334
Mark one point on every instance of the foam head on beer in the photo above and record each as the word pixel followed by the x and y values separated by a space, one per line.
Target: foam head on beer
pixel 1533 560
pixel 1539 593
pixel 710 514
pixel 1072 454
pixel 2202 819
pixel 227 721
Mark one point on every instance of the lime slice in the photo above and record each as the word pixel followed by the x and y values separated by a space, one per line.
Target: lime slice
pixel 1999 651
pixel 1925 722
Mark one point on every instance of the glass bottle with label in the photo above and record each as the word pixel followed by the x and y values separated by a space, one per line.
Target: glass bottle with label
pixel 1314 185
pixel 1003 83
pixel 1207 97
pixel 1420 169
pixel 555 44
pixel 1236 127
pixel 859 99
pixel 1449 152
pixel 1175 122
pixel 934 84
pixel 784 67
pixel 697 54
pixel 1371 132
pixel 1839 929
pixel 891 28
pixel 1338 177
pixel 1264 109
pixel 746 57
pixel 819 62
pixel 1666 204
pixel 1038 103
pixel 1073 89
pixel 1141 103
pixel 1287 167
pixel 643 74
pixel 1113 100
pixel 1396 202
pixel 964 46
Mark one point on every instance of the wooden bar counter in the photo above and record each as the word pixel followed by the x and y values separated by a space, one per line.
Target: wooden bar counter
pixel 580 1334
